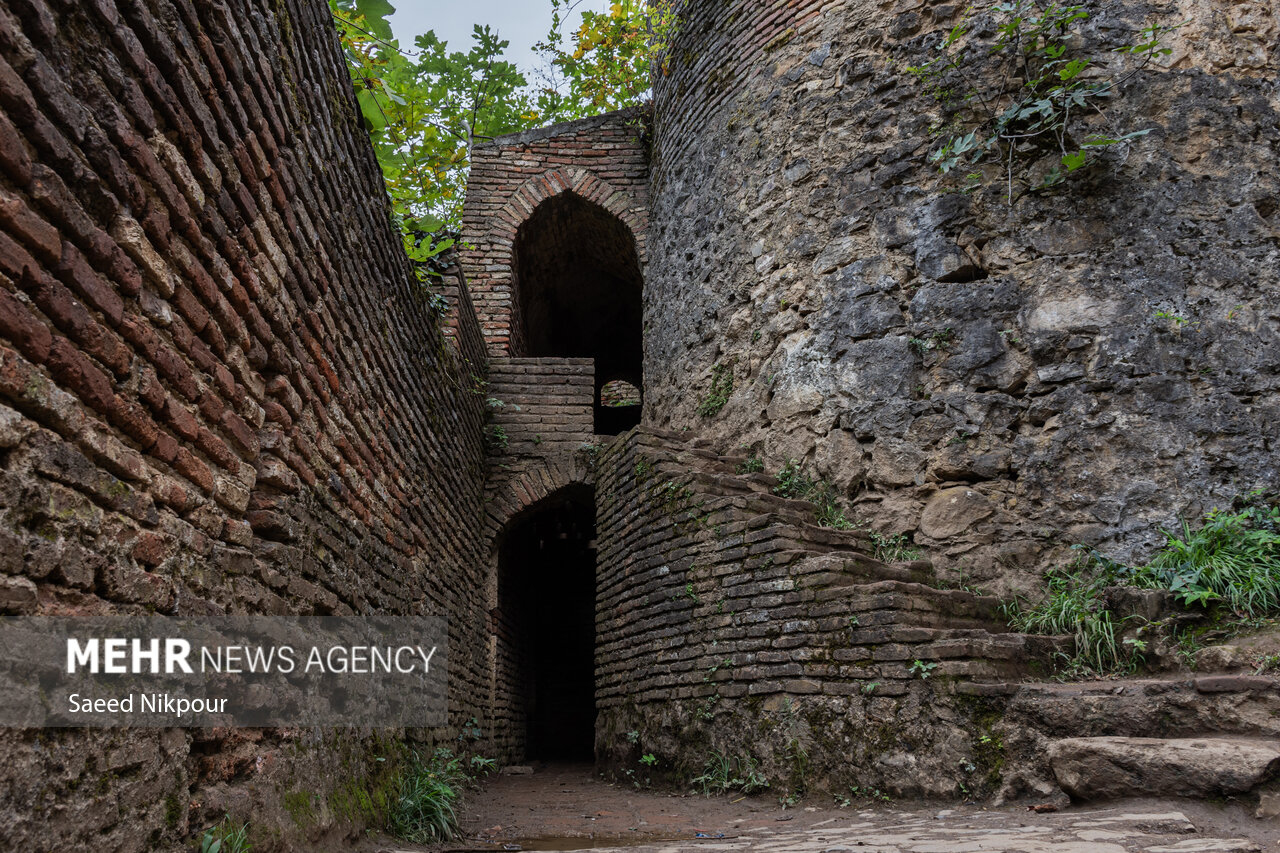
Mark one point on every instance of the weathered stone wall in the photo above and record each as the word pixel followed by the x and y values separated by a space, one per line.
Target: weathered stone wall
pixel 221 389
pixel 801 241
pixel 604 160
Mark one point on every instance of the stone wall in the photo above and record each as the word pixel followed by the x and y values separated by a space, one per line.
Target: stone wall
pixel 221 389
pixel 1085 366
pixel 604 160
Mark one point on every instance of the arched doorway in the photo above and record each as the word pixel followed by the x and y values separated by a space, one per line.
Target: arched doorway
pixel 578 293
pixel 546 629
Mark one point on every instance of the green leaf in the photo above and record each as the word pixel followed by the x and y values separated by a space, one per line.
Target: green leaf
pixel 372 111
pixel 1074 160
pixel 376 13
pixel 1073 69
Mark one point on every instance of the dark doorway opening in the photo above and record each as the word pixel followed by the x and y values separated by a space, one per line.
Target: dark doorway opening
pixel 546 602
pixel 578 285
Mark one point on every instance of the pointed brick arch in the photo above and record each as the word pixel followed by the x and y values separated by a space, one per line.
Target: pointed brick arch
pixel 552 183
pixel 601 160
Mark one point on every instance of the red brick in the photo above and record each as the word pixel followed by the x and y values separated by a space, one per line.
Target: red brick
pixel 176 371
pixel 211 406
pixel 183 422
pixel 21 221
pixel 14 259
pixel 74 372
pixel 185 301
pixel 165 448
pixel 133 419
pixel 241 433
pixel 151 549
pixel 78 275
pixel 14 158
pixel 186 464
pixel 217 450
pixel 24 328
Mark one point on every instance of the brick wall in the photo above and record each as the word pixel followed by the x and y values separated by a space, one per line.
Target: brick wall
pixel 540 407
pixel 603 160
pixel 728 621
pixel 220 390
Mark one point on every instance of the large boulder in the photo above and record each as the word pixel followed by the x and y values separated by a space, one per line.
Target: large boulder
pixel 1101 768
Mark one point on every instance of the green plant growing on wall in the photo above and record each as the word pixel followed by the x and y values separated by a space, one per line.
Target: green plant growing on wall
pixel 719 392
pixel 794 483
pixel 922 669
pixel 1024 106
pixel 1228 568
pixel 226 837
pixel 722 773
pixel 934 341
pixel 495 436
pixel 893 549
pixel 753 464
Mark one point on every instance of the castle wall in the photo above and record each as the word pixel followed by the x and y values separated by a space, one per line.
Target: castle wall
pixel 221 389
pixel 1000 382
pixel 603 159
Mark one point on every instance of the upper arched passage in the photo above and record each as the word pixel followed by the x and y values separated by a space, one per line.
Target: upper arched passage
pixel 577 289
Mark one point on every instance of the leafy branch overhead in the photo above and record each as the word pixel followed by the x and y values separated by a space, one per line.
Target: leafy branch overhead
pixel 424 113
pixel 427 108
pixel 1022 105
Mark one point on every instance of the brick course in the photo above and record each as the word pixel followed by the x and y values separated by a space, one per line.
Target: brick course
pixel 222 387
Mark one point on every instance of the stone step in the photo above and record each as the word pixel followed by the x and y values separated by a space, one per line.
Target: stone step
pixel 1224 705
pixel 1106 768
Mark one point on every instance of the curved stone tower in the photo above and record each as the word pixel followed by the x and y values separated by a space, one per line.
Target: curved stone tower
pixel 1082 367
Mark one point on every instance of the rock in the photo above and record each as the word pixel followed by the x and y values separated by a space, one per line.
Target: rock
pixel 953 511
pixel 1221 659
pixel 13 428
pixel 1269 805
pixel 1099 768
pixel 17 595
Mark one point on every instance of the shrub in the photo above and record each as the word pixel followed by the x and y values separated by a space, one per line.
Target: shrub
pixel 226 837
pixel 722 774
pixel 423 811
pixel 1233 558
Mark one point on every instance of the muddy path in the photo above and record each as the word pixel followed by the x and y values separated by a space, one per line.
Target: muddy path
pixel 567 807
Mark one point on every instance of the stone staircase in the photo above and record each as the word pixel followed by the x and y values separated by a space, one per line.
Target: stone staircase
pixel 885 629
pixel 1197 736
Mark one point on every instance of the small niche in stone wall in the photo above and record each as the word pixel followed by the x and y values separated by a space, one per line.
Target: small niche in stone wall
pixel 619 407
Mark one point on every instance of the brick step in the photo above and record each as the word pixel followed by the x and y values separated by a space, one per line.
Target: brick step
pixel 915 602
pixel 844 570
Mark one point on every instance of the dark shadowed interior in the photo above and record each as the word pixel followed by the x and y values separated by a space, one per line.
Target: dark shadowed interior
pixel 546 602
pixel 578 285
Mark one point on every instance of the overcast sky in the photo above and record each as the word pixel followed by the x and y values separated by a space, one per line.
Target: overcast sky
pixel 521 22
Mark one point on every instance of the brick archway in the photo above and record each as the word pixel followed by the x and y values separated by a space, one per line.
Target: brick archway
pixel 494 256
pixel 542 620
pixel 534 191
pixel 522 490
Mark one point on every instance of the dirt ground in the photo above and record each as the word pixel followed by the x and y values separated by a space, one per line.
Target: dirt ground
pixel 566 807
